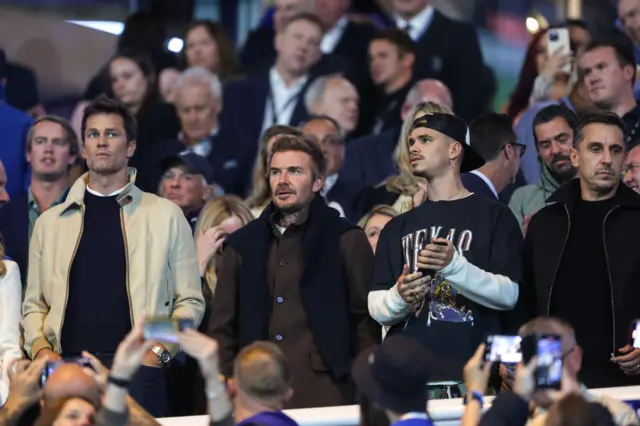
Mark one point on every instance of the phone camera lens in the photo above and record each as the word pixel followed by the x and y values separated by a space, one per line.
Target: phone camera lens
pixel 553 36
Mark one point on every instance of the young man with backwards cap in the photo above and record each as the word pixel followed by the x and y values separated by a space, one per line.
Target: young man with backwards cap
pixel 445 269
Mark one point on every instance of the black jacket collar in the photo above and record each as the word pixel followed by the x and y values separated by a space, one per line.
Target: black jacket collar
pixel 568 193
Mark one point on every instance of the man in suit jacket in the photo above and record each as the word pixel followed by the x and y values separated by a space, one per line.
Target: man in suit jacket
pixel 326 132
pixel 198 104
pixel 448 51
pixel 52 147
pixel 274 96
pixel 495 140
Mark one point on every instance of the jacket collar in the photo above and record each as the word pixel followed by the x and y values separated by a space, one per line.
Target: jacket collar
pixel 548 181
pixel 130 193
pixel 570 192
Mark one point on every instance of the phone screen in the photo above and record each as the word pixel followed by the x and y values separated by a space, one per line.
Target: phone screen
pixel 549 371
pixel 51 366
pixel 505 349
pixel 165 329
pixel 635 334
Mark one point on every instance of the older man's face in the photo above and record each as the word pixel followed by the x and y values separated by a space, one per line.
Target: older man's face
pixel 198 111
pixel 631 170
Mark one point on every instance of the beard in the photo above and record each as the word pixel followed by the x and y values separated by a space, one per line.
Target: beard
pixel 562 174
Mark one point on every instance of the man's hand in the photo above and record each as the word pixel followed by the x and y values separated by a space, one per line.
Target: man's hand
pixel 25 389
pixel 202 348
pixel 436 257
pixel 412 287
pixel 49 354
pixel 524 383
pixel 629 362
pixel 132 352
pixel 477 371
pixel 101 372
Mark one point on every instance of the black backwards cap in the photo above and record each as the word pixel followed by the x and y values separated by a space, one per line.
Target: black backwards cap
pixel 455 128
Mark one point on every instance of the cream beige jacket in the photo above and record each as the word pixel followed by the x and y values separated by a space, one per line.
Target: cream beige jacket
pixel 162 268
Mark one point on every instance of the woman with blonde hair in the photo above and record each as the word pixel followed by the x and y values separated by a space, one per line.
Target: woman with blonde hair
pixel 403 191
pixel 373 222
pixel 261 193
pixel 219 218
pixel 10 301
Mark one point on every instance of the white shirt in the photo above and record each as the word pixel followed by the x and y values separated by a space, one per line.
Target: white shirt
pixel 10 315
pixel 97 194
pixel 487 181
pixel 333 36
pixel 329 182
pixel 202 148
pixel 284 100
pixel 418 24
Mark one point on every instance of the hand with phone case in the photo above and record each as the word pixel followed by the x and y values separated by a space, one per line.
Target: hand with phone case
pixel 436 256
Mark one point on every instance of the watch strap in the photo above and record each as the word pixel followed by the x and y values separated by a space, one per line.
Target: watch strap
pixel 474 395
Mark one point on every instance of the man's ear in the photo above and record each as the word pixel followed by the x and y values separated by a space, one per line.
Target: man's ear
pixel 318 184
pixel 575 157
pixel 131 148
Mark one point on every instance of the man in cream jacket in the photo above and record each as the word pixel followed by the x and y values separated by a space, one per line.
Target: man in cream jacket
pixel 108 255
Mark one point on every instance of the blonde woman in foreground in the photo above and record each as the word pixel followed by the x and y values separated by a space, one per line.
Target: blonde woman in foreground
pixel 10 315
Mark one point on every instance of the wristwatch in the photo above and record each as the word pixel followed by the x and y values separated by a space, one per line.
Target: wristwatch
pixel 164 356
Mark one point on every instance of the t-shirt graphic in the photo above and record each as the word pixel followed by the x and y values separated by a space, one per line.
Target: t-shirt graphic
pixel 443 301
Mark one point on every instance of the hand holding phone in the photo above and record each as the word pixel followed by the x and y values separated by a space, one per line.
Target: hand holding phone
pixel 548 350
pixel 164 330
pixel 435 256
pixel 559 49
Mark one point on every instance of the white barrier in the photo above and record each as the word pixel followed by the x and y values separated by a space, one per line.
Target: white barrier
pixel 444 412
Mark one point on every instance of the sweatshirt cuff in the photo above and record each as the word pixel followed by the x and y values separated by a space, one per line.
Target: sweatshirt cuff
pixel 457 262
pixel 396 302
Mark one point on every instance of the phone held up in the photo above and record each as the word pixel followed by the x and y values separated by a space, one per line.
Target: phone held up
pixel 431 272
pixel 511 350
pixel 164 329
pixel 51 366
pixel 634 334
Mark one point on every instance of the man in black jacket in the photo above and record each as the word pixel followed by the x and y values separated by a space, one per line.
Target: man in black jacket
pixel 297 276
pixel 578 263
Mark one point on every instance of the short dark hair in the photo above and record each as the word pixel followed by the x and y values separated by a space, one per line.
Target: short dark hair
pixel 278 130
pixel 579 23
pixel 606 118
pixel 105 105
pixel 315 117
pixel 550 113
pixel 69 134
pixel 490 133
pixel 305 16
pixel 624 53
pixel 302 144
pixel 399 38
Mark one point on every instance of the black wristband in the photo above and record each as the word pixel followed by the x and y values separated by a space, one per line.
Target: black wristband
pixel 121 383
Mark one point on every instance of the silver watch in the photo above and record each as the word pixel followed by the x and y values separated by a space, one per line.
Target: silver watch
pixel 164 356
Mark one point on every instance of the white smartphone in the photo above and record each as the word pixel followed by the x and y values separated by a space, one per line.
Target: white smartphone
pixel 558 39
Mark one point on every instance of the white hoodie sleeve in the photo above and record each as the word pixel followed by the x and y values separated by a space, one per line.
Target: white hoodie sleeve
pixel 490 290
pixel 10 300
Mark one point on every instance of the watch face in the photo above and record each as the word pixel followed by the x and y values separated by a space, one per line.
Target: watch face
pixel 165 357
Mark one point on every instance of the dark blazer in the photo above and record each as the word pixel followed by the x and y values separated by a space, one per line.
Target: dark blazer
pixel 450 52
pixel 475 184
pixel 231 168
pixel 14 230
pixel 346 194
pixel 244 104
pixel 369 159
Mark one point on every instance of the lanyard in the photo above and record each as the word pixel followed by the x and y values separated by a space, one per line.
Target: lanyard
pixel 272 105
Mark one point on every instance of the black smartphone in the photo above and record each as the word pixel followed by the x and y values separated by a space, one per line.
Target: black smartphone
pixel 163 329
pixel 634 333
pixel 548 348
pixel 503 349
pixel 431 272
pixel 51 366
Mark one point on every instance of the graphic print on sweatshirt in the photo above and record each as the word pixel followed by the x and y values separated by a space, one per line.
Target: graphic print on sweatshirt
pixel 442 299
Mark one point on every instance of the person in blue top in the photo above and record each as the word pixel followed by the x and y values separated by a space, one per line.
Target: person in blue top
pixel 391 379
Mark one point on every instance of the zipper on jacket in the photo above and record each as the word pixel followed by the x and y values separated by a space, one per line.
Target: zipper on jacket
pixel 566 238
pixel 126 260
pixel 606 257
pixel 66 297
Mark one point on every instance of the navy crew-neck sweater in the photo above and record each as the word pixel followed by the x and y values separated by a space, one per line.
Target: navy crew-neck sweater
pixel 97 314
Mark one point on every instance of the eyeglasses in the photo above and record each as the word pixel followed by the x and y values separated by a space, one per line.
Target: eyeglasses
pixel 520 146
